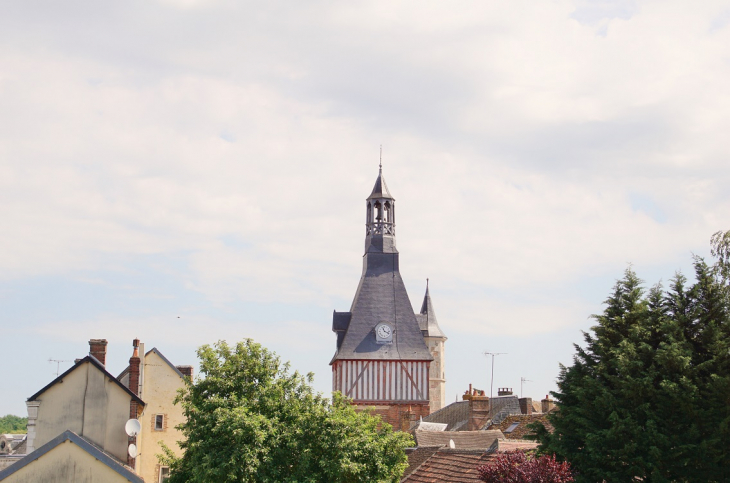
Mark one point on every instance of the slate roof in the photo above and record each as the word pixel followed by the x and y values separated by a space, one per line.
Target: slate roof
pixel 523 420
pixel 450 466
pixel 427 318
pixel 15 444
pixel 462 439
pixel 93 361
pixel 428 426
pixel 82 443
pixel 455 415
pixel 381 297
pixel 380 190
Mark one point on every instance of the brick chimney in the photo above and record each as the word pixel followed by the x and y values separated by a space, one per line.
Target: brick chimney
pixel 547 404
pixel 187 371
pixel 526 405
pixel 134 363
pixel 97 348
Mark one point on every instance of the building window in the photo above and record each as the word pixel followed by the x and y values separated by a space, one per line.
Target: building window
pixel 164 474
pixel 159 422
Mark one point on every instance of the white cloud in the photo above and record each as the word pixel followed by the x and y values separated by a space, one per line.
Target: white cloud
pixel 531 146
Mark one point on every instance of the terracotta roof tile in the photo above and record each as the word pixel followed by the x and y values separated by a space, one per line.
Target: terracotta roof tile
pixel 416 457
pixel 450 466
pixel 503 445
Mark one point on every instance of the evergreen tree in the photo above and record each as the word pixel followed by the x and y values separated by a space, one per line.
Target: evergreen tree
pixel 648 397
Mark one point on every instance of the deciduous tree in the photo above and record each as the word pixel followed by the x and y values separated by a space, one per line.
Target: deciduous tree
pixel 13 424
pixel 250 420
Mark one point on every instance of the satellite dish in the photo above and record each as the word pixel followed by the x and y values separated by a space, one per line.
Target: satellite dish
pixel 132 427
pixel 132 450
pixel 451 444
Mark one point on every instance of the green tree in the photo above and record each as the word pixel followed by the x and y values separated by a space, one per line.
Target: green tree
pixel 250 420
pixel 10 424
pixel 648 396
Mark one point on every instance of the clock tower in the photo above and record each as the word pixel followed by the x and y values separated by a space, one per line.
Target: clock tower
pixel 382 360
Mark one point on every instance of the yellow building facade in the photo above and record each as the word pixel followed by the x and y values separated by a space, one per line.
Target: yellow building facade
pixel 159 383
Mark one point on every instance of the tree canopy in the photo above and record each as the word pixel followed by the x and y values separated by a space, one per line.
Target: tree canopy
pixel 10 424
pixel 648 397
pixel 250 420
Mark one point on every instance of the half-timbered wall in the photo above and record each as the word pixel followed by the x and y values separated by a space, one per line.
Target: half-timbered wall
pixel 381 381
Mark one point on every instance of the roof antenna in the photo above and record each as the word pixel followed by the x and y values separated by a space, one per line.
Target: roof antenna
pixel 381 158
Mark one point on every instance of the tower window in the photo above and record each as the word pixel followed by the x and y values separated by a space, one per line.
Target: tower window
pixel 164 474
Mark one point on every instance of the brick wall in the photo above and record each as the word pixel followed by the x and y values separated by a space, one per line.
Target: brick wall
pixel 97 348
pixel 399 416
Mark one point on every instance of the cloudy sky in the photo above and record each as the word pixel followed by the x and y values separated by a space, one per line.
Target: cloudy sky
pixel 185 171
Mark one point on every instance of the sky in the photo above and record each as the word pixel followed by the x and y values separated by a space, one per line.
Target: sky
pixel 188 171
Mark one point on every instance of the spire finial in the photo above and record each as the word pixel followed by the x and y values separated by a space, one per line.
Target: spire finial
pixel 426 283
pixel 381 158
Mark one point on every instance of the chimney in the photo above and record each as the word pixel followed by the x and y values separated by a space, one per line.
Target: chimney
pixel 547 404
pixel 97 348
pixel 526 405
pixel 187 371
pixel 504 391
pixel 134 363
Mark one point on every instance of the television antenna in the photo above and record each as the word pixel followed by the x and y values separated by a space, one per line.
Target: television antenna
pixel 522 381
pixel 491 384
pixel 58 364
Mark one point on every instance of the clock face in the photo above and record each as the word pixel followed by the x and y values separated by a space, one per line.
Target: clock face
pixel 384 331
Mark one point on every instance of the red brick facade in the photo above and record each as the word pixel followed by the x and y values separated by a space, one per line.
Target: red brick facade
pixel 400 416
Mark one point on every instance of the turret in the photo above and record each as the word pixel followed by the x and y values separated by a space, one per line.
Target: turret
pixel 380 218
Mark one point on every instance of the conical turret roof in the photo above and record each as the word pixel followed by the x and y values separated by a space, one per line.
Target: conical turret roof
pixel 380 190
pixel 428 317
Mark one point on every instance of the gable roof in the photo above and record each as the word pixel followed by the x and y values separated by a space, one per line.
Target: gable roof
pixel 462 439
pixel 93 361
pixel 82 443
pixel 451 466
pixel 156 351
